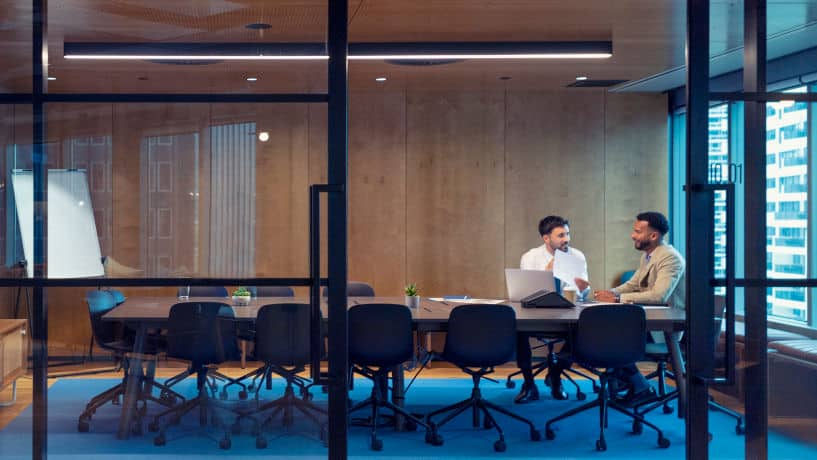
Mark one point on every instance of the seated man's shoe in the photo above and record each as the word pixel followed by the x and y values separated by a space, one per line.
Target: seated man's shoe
pixel 633 399
pixel 554 380
pixel 529 392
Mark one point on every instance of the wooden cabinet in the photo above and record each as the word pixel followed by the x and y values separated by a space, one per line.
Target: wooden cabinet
pixel 13 350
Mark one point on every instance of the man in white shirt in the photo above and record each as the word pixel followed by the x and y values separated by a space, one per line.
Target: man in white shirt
pixel 555 233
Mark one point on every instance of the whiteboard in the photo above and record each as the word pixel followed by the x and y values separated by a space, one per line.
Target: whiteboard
pixel 73 244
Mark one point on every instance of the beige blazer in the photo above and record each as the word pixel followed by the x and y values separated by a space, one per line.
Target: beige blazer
pixel 661 280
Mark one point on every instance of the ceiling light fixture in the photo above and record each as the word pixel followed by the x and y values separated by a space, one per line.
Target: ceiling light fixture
pixel 581 78
pixel 52 78
pixel 357 51
pixel 252 78
pixel 380 79
pixel 263 136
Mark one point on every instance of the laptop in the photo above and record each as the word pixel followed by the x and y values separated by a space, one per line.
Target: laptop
pixel 522 283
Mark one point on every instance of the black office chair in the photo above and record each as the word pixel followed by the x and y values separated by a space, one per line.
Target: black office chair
pixel 109 336
pixel 206 291
pixel 195 334
pixel 659 353
pixel 354 289
pixel 119 299
pixel 271 291
pixel 609 337
pixel 282 335
pixel 380 338
pixel 479 338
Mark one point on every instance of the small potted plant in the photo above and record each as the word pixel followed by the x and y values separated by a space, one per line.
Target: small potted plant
pixel 241 296
pixel 412 299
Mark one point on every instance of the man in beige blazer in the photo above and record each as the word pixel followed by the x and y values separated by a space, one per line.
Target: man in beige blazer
pixel 658 280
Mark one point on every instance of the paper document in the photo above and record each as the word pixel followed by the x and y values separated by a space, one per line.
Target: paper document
pixel 567 267
pixel 466 300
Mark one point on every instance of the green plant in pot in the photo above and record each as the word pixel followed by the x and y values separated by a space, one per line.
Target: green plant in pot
pixel 241 296
pixel 412 297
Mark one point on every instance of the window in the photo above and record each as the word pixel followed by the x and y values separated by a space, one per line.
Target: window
pixel 719 173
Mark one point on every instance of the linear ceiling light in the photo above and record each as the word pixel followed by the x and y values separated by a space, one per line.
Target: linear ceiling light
pixel 357 51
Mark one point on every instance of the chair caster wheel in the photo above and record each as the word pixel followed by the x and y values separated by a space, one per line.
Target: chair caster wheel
pixel 242 395
pixel 601 445
pixel 638 428
pixel 550 435
pixel 667 409
pixel 260 442
pixel 739 429
pixel 411 425
pixel 663 442
pixel 434 439
pixel 500 446
pixel 83 426
pixel 580 396
pixel 225 443
pixel 510 384
pixel 535 435
pixel 153 427
pixel 222 395
pixel 159 440
pixel 377 444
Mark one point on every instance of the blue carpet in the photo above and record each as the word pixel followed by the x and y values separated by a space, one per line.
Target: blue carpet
pixel 574 437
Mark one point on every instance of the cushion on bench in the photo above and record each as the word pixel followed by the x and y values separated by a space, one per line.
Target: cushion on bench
pixel 800 349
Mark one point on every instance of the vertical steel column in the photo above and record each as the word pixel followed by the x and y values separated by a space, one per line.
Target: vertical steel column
pixel 336 228
pixel 39 317
pixel 754 81
pixel 699 237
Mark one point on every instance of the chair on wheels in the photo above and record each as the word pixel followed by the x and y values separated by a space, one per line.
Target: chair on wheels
pixel 271 291
pixel 109 337
pixel 609 337
pixel 380 338
pixel 354 289
pixel 479 338
pixel 195 334
pixel 659 353
pixel 119 299
pixel 282 342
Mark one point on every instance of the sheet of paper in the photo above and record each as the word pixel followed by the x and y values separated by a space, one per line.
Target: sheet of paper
pixel 568 267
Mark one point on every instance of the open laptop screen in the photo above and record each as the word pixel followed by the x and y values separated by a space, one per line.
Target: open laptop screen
pixel 521 283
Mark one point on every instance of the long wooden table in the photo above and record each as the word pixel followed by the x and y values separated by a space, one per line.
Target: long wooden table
pixel 144 313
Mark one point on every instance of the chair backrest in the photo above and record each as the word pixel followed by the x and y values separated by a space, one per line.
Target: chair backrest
pixel 480 335
pixel 272 291
pixel 626 276
pixel 380 334
pixel 207 291
pixel 282 334
pixel 610 335
pixel 99 303
pixel 196 332
pixel 118 297
pixel 354 289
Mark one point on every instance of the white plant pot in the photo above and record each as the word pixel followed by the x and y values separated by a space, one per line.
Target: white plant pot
pixel 412 301
pixel 241 300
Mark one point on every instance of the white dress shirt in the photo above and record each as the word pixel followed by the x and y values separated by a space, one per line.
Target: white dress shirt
pixel 539 257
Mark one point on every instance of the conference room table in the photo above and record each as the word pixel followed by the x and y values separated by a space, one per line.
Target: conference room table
pixel 147 313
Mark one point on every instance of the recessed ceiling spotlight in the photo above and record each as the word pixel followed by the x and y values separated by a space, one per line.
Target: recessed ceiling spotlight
pixel 581 78
pixel 380 79
pixel 263 136
pixel 52 78
pixel 252 78
pixel 258 26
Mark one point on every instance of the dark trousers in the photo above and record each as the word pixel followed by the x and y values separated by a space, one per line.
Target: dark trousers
pixel 524 357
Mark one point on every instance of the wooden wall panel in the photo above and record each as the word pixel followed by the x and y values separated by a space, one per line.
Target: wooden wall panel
pixel 455 192
pixel 282 175
pixel 637 169
pixel 377 190
pixel 554 147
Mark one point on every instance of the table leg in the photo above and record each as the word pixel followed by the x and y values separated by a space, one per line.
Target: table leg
pixel 133 387
pixel 678 366
pixel 398 396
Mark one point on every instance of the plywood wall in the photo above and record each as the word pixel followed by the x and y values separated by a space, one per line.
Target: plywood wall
pixel 445 188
